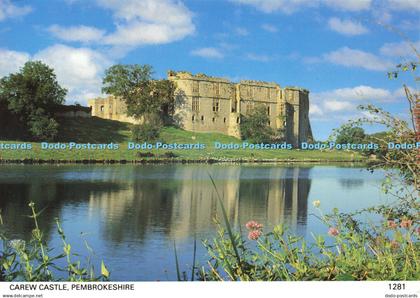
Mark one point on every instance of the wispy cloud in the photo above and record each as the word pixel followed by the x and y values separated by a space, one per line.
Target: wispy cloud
pixel 11 61
pixel 412 5
pixel 346 27
pixel 10 10
pixel 81 33
pixel 356 58
pixel 346 5
pixel 241 31
pixel 290 6
pixel 269 28
pixel 341 101
pixel 258 57
pixel 400 49
pixel 138 23
pixel 211 53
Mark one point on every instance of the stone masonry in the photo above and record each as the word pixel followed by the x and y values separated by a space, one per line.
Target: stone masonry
pixel 210 104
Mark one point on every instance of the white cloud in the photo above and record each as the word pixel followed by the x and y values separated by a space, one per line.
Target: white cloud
pixel 77 33
pixel 360 93
pixel 268 6
pixel 290 6
pixel 399 49
pixel 311 59
pixel 348 5
pixel 241 31
pixel 338 106
pixel 341 101
pixel 409 25
pixel 315 110
pixel 346 27
pixel 211 53
pixel 148 22
pixel 79 70
pixel 357 58
pixel 404 4
pixel 269 28
pixel 258 57
pixel 11 61
pixel 382 15
pixel 139 33
pixel 9 10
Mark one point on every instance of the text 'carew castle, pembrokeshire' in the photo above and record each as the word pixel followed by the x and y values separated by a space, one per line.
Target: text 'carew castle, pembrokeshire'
pixel 209 104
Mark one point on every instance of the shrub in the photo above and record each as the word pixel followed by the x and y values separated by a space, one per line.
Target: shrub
pixel 145 154
pixel 145 132
pixel 43 127
pixel 255 127
pixel 169 154
pixel 32 260
pixel 389 250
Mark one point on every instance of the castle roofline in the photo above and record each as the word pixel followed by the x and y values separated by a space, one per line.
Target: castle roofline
pixel 198 76
pixel 259 83
pixel 204 77
pixel 296 88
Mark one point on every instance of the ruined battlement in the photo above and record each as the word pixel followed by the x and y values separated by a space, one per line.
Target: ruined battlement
pixel 295 88
pixel 212 104
pixel 186 75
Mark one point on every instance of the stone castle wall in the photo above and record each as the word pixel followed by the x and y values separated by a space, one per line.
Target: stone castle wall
pixel 209 104
pixel 110 108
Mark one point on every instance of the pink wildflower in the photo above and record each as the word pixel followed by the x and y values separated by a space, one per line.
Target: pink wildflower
pixel 255 229
pixel 254 234
pixel 333 231
pixel 392 224
pixel 253 225
pixel 406 223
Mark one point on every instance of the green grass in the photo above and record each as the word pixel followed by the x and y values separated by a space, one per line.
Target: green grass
pixel 96 130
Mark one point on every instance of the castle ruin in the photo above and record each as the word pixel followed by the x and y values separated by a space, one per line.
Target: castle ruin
pixel 210 104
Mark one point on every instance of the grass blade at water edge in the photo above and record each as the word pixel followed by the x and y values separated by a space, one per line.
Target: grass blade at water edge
pixel 178 273
pixel 194 256
pixel 227 223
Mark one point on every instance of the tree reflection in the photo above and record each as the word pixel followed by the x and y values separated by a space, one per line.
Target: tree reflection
pixel 176 201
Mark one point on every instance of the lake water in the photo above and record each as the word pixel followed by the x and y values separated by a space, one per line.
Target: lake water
pixel 132 214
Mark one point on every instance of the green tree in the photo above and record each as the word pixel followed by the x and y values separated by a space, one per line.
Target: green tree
pixel 350 134
pixel 29 97
pixel 255 127
pixel 146 99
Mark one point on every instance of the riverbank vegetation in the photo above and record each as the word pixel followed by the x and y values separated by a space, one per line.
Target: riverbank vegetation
pixel 34 260
pixel 96 130
pixel 384 247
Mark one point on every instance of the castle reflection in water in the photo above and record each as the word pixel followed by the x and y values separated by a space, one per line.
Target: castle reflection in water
pixel 185 202
pixel 178 201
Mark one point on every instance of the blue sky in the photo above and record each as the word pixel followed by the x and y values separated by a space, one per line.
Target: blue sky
pixel 340 50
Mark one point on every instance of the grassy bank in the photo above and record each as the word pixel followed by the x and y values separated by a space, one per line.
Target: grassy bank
pixel 97 131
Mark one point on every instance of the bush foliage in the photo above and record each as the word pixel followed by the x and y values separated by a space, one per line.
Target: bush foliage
pixel 255 126
pixel 27 101
pixel 35 261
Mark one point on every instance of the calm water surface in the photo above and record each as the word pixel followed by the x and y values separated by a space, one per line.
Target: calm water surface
pixel 130 215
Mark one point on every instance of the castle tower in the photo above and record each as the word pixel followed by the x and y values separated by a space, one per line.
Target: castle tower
pixel 298 128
